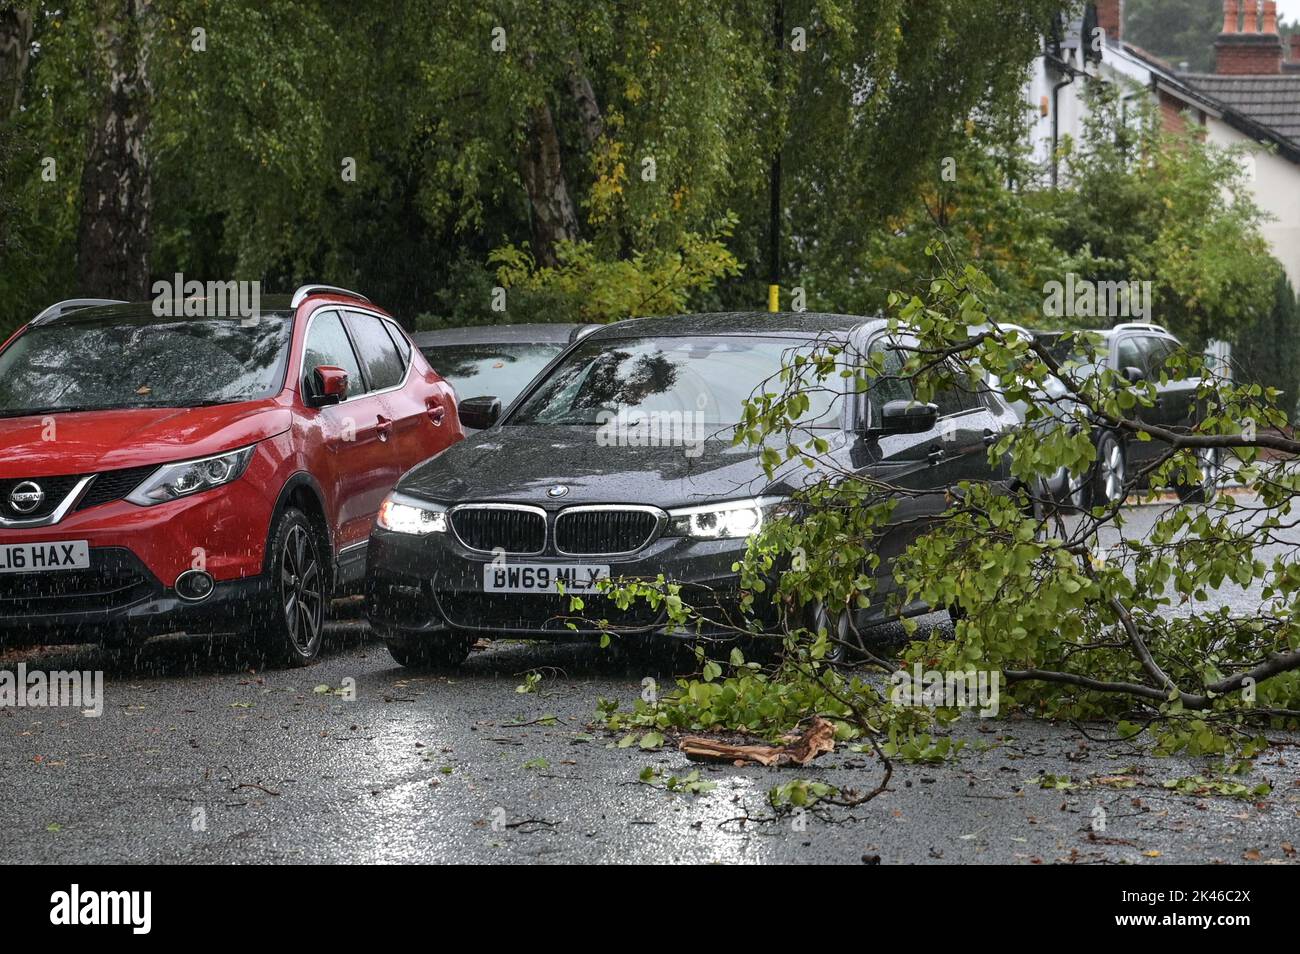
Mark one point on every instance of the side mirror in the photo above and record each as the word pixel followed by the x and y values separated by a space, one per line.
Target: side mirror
pixel 330 385
pixel 479 413
pixel 908 417
pixel 1133 375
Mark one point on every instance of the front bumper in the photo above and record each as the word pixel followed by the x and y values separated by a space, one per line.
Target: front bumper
pixel 226 527
pixel 418 585
pixel 118 598
pixel 136 555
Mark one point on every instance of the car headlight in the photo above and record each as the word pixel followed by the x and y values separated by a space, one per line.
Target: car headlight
pixel 190 477
pixel 402 514
pixel 725 521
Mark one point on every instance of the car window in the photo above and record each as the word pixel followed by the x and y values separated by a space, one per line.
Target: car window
pixel 384 366
pixel 887 387
pixel 401 341
pixel 701 380
pixel 1160 351
pixel 1130 354
pixel 498 370
pixel 328 344
pixel 956 397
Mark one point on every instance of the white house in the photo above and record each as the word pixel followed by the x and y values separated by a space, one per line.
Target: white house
pixel 1252 97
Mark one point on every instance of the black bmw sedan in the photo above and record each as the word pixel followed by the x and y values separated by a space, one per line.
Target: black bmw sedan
pixel 618 463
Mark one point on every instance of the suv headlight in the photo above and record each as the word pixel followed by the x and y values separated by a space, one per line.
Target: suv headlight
pixel 724 521
pixel 402 514
pixel 190 477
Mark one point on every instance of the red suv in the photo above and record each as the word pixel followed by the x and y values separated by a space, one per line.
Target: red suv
pixel 199 473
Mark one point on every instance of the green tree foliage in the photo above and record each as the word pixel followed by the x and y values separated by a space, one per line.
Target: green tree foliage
pixel 1146 205
pixel 1267 352
pixel 634 132
pixel 1134 204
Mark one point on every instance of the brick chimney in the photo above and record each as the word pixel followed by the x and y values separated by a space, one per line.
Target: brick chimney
pixel 1110 17
pixel 1255 49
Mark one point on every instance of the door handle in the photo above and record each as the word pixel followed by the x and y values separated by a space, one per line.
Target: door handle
pixel 384 426
pixel 991 437
pixel 437 414
pixel 935 456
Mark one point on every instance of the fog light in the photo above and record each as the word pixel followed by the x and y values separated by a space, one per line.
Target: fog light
pixel 194 585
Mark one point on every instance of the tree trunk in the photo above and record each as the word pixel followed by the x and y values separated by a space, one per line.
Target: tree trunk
pixel 554 217
pixel 114 234
pixel 584 96
pixel 15 47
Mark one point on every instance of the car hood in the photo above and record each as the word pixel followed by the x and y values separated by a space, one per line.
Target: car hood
pixel 85 442
pixel 522 464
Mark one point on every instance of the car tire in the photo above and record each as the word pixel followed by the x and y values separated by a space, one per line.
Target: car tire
pixel 1109 473
pixel 839 628
pixel 1078 491
pixel 292 626
pixel 1210 464
pixel 435 651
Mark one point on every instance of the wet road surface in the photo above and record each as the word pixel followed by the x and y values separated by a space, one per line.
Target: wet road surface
pixel 198 758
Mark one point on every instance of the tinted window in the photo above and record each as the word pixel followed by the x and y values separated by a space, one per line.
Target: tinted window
pixel 1130 354
pixel 1160 351
pixel 385 368
pixel 888 386
pixel 328 344
pixel 954 398
pixel 143 361
pixel 708 378
pixel 400 340
pixel 496 370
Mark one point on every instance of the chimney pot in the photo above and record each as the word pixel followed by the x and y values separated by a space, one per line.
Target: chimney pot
pixel 1270 17
pixel 1230 11
pixel 1250 23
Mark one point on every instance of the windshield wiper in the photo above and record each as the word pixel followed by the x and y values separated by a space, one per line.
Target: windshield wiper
pixel 34 411
pixel 78 408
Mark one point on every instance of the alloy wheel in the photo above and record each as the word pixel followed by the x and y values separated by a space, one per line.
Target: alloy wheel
pixel 838 628
pixel 301 592
pixel 1208 461
pixel 1112 472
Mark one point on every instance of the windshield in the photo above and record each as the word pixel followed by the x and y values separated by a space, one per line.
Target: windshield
pixel 707 378
pixel 1073 349
pixel 143 361
pixel 495 370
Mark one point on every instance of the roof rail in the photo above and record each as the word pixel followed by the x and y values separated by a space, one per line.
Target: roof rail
pixel 59 309
pixel 1140 326
pixel 305 291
